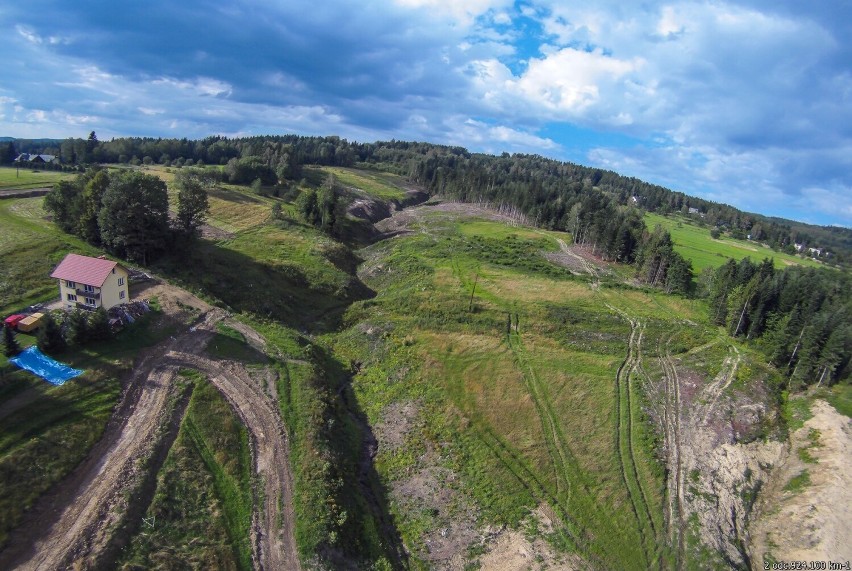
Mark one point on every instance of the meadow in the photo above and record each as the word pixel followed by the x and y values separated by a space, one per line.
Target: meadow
pixel 25 178
pixel 511 363
pixel 696 245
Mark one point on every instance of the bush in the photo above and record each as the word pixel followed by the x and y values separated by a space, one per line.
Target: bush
pixel 99 326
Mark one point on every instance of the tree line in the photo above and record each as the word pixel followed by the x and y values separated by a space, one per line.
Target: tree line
pixel 127 212
pixel 441 168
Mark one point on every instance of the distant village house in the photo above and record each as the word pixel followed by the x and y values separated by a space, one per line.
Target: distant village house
pixel 36 159
pixel 90 283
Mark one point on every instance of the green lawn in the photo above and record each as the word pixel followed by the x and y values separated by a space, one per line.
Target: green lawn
pixel 11 177
pixel 696 245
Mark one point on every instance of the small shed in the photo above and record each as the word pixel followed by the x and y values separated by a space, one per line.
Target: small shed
pixel 30 323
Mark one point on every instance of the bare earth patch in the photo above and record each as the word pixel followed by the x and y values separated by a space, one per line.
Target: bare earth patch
pixel 812 523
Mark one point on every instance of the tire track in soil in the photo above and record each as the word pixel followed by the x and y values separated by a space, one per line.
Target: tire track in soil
pixel 624 385
pixel 272 531
pixel 674 482
pixel 73 523
pixel 624 439
pixel 563 459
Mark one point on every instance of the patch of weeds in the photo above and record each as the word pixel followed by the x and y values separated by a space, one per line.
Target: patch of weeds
pixel 813 442
pixel 798 482
pixel 228 343
pixel 795 411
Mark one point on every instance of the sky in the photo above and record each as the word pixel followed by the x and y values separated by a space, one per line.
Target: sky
pixel 747 103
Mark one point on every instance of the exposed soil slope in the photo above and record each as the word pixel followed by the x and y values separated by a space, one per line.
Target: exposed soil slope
pixel 813 523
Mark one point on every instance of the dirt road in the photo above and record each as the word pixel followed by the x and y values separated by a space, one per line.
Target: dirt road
pixel 73 525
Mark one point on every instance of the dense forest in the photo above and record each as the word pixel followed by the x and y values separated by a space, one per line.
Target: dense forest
pixel 800 317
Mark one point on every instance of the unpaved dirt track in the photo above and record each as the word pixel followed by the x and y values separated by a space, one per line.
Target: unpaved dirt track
pixel 71 525
pixel 273 540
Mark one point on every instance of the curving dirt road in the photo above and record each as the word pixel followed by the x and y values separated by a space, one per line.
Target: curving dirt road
pixel 74 525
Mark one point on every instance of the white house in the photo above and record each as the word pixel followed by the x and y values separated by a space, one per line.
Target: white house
pixel 90 283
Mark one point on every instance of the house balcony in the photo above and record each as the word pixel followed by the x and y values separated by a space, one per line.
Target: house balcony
pixel 85 307
pixel 92 294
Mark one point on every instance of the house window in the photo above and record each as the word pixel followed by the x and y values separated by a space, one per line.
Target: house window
pixel 89 288
pixel 90 301
pixel 121 294
pixel 120 281
pixel 72 297
pixel 69 283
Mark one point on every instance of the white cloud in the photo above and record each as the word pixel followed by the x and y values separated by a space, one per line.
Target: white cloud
pixel 28 34
pixel 461 12
pixel 204 86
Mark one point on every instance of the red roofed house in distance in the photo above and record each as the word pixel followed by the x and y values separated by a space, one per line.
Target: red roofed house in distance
pixel 90 283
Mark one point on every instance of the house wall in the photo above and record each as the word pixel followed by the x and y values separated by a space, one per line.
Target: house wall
pixel 64 290
pixel 111 292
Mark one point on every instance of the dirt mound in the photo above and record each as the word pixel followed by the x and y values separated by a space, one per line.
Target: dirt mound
pixel 368 208
pixel 810 522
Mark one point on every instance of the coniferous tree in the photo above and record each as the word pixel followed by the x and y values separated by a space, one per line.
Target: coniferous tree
pixel 11 345
pixel 78 328
pixel 50 339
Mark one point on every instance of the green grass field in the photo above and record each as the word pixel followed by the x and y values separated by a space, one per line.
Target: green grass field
pixel 527 418
pixel 695 244
pixel 11 177
pixel 30 248
pixel 380 185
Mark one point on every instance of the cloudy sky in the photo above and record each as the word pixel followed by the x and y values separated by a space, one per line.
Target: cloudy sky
pixel 746 102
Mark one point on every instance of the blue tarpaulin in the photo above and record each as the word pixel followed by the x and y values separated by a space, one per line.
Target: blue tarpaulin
pixel 40 364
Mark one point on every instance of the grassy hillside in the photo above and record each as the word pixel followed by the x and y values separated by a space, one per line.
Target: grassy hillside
pixel 30 248
pixel 511 366
pixel 379 185
pixel 432 385
pixel 695 244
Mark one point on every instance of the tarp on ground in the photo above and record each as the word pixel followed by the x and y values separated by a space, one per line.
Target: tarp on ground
pixel 36 362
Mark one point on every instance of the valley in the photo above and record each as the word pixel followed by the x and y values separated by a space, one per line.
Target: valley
pixel 436 386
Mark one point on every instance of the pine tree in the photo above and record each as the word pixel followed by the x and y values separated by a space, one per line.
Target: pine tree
pixel 50 338
pixel 78 328
pixel 12 346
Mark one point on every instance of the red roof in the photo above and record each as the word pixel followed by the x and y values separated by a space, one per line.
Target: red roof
pixel 84 270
